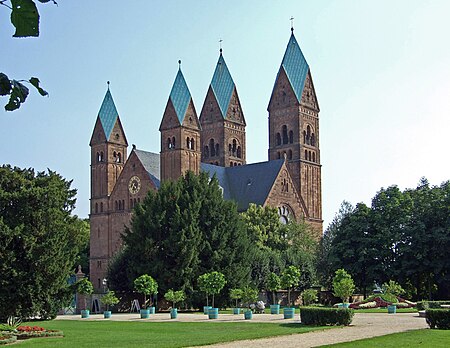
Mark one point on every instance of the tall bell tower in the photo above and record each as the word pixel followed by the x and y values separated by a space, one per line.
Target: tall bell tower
pixel 180 133
pixel 108 156
pixel 294 128
pixel 222 120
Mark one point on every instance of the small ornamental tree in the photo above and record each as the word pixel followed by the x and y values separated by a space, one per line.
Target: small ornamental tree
pixel 175 296
pixel 84 287
pixel 146 285
pixel 249 295
pixel 211 283
pixel 273 284
pixel 309 296
pixel 236 294
pixel 289 279
pixel 343 285
pixel 393 288
pixel 110 299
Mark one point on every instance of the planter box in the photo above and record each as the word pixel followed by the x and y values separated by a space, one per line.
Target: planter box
pixel 145 313
pixel 248 315
pixel 236 310
pixel 289 313
pixel 213 313
pixel 275 309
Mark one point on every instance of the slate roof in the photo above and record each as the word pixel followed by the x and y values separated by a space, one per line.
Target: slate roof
pixel 108 114
pixel 295 66
pixel 246 184
pixel 222 85
pixel 150 161
pixel 180 96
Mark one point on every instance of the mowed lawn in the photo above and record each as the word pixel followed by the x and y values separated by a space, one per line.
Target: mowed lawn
pixel 98 334
pixel 415 338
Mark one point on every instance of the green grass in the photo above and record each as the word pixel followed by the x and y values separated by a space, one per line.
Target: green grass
pixel 415 338
pixel 156 334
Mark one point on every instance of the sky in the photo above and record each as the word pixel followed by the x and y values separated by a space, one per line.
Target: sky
pixel 381 71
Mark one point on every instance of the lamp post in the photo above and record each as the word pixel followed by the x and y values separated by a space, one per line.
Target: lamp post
pixel 105 285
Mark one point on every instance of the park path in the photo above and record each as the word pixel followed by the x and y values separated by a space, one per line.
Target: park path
pixel 364 325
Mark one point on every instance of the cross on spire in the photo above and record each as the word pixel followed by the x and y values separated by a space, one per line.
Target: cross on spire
pixel 220 45
pixel 292 23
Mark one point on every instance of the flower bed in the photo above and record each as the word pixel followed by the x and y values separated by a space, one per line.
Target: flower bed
pixel 24 332
pixel 382 300
pixel 7 338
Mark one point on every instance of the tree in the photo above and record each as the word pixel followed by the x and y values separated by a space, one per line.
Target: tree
pixel 393 288
pixel 25 18
pixel 39 242
pixel 212 283
pixel 84 287
pixel 273 284
pixel 146 285
pixel 110 299
pixel 249 295
pixel 309 296
pixel 183 230
pixel 175 296
pixel 343 285
pixel 236 294
pixel 289 279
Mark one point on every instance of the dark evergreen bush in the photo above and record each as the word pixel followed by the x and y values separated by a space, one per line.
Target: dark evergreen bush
pixel 326 316
pixel 431 304
pixel 438 318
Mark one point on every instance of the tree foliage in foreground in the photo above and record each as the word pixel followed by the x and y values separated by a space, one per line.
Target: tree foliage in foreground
pixel 180 232
pixel 39 242
pixel 404 235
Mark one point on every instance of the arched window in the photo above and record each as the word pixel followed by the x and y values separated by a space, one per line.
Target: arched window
pixel 134 202
pixel 231 164
pixel 308 135
pixel 114 156
pixel 285 134
pixel 123 204
pixel 229 149
pixel 173 142
pixel 119 158
pixel 188 143
pixel 101 207
pixel 309 155
pixel 290 154
pixel 304 137
pixel 120 205
pixel 217 149
pixel 278 139
pixel 306 155
pixel 139 200
pixel 239 152
pixel 206 151
pixel 169 143
pixel 101 156
pixel 192 144
pixel 116 205
pixel 291 137
pixel 98 157
pixel 212 148
pixel 96 207
pixel 233 149
pixel 313 140
pixel 239 164
pixel 314 156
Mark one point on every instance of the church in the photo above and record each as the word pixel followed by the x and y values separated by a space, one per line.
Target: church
pixel 214 142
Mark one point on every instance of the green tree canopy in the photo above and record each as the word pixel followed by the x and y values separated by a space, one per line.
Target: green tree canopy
pixel 39 242
pixel 289 279
pixel 145 285
pixel 343 285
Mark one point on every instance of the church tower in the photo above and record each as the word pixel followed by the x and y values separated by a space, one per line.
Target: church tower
pixel 222 121
pixel 180 133
pixel 294 128
pixel 108 155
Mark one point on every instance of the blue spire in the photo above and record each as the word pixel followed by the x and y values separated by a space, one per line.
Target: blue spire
pixel 108 114
pixel 222 85
pixel 180 96
pixel 295 66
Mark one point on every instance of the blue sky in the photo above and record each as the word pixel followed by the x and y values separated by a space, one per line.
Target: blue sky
pixel 380 68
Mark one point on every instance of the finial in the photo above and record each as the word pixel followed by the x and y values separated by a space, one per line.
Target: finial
pixel 108 84
pixel 220 46
pixel 179 63
pixel 292 24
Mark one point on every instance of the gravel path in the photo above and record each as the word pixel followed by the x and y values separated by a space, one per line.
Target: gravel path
pixel 364 325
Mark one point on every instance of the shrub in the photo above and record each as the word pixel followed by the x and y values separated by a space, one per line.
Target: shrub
pixel 343 285
pixel 7 339
pixel 146 285
pixel 438 318
pixel 431 304
pixel 393 288
pixel 309 296
pixel 326 316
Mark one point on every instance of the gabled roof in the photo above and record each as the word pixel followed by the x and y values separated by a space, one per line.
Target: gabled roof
pixel 180 96
pixel 222 85
pixel 150 162
pixel 295 66
pixel 108 114
pixel 246 184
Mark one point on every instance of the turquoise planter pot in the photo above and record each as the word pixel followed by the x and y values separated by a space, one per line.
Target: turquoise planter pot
pixel 206 309
pixel 346 305
pixel 340 305
pixel 145 313
pixel 248 315
pixel 275 309
pixel 236 310
pixel 289 313
pixel 107 314
pixel 173 313
pixel 213 313
pixel 152 310
pixel 392 309
pixel 85 313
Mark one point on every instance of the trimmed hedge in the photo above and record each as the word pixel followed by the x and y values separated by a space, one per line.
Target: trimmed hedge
pixel 438 318
pixel 431 304
pixel 326 316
